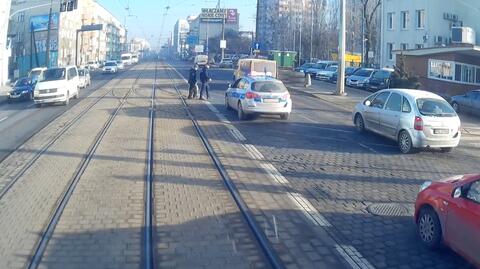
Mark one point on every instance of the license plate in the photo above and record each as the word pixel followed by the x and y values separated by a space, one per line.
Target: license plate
pixel 270 100
pixel 440 131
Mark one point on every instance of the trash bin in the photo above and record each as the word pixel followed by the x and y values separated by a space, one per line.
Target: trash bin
pixel 288 58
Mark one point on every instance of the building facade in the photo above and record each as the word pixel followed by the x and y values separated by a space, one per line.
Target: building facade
pixel 5 50
pixel 180 32
pixel 416 24
pixel 28 27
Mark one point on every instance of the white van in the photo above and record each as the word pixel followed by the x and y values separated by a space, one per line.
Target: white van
pixel 36 74
pixel 201 60
pixel 59 85
pixel 126 58
pixel 134 58
pixel 255 67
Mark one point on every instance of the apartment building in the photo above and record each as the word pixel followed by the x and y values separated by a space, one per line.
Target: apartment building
pixel 4 42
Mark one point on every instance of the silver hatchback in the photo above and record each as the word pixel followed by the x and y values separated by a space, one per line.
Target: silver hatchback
pixel 413 118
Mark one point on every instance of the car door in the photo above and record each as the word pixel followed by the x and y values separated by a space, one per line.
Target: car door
pixel 235 92
pixel 372 112
pixel 463 223
pixel 390 116
pixel 476 104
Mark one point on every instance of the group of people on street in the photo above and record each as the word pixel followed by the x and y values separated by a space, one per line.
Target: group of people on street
pixel 204 79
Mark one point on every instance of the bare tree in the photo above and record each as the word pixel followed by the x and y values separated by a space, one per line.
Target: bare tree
pixel 369 13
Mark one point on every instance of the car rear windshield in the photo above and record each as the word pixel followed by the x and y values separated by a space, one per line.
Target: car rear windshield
pixel 264 67
pixel 54 74
pixel 268 86
pixel 382 74
pixel 110 64
pixel 363 73
pixel 435 107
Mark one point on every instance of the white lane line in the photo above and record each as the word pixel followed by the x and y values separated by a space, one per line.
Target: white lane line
pixel 237 134
pixel 30 105
pixel 470 138
pixel 4 118
pixel 353 257
pixel 273 173
pixel 309 210
pixel 212 107
pixel 367 147
pixel 254 151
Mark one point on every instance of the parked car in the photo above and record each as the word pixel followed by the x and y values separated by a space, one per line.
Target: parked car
pixel 37 74
pixel 380 80
pixel 110 67
pixel 201 60
pixel 120 65
pixel 304 67
pixel 448 212
pixel 226 63
pixel 60 84
pixel 327 74
pixel 469 102
pixel 255 67
pixel 348 72
pixel 22 89
pixel 84 78
pixel 413 118
pixel 360 78
pixel 319 66
pixel 258 95
pixel 92 65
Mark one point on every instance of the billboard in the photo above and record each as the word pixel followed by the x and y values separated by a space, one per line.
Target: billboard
pixel 40 23
pixel 216 15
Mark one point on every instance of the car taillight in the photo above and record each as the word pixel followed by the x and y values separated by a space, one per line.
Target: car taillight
pixel 252 95
pixel 418 125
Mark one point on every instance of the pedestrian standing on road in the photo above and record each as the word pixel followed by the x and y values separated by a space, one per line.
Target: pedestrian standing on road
pixel 192 81
pixel 205 79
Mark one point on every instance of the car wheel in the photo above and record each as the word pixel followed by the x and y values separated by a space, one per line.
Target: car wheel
pixel 446 150
pixel 285 116
pixel 227 106
pixel 405 142
pixel 456 107
pixel 429 228
pixel 240 113
pixel 359 123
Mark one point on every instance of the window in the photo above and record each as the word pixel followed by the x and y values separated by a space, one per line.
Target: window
pixel 404 46
pixel 474 192
pixel 370 98
pixel 21 16
pixel 241 84
pixel 441 69
pixel 468 74
pixel 235 85
pixel 390 19
pixel 404 20
pixel 390 51
pixel 418 46
pixel 394 102
pixel 420 18
pixel 380 100
pixel 477 79
pixel 406 108
pixel 435 107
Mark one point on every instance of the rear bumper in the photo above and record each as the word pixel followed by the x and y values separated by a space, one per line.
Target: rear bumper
pixel 419 140
pixel 50 99
pixel 263 109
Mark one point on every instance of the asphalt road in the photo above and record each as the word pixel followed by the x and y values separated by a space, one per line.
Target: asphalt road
pixel 346 175
pixel 20 120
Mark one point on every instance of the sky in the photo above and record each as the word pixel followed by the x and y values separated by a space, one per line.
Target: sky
pixel 145 16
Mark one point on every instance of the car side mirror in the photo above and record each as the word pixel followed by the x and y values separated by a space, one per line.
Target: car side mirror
pixel 457 193
pixel 368 103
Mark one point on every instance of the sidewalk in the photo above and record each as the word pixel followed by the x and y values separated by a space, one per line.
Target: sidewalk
pixel 4 93
pixel 326 92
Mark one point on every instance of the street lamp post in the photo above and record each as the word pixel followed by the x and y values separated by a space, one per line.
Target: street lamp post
pixel 314 4
pixel 341 51
pixel 49 26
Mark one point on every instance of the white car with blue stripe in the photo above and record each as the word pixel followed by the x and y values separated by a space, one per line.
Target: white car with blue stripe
pixel 258 95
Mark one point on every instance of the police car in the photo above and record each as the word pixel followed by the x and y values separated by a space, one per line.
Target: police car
pixel 258 95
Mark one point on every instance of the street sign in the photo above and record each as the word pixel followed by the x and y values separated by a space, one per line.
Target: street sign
pixel 223 44
pixel 91 27
pixel 371 54
pixel 257 46
pixel 199 48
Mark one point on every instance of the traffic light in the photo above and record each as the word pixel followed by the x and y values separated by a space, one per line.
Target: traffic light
pixel 68 5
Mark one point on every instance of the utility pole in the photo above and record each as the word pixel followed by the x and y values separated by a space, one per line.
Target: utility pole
pixel 311 30
pixel 49 26
pixel 223 29
pixel 256 21
pixel 341 50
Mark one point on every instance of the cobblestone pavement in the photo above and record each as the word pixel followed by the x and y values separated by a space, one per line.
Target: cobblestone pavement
pixel 341 173
pixel 29 203
pixel 198 225
pixel 101 226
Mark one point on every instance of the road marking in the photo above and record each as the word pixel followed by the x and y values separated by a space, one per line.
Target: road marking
pixel 253 151
pixel 2 119
pixel 273 173
pixel 470 138
pixel 236 134
pixel 212 108
pixel 353 257
pixel 30 105
pixel 367 147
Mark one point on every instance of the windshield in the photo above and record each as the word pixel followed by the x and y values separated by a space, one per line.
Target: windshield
pixel 110 64
pixel 126 57
pixel 81 72
pixel 363 73
pixel 268 86
pixel 320 66
pixel 350 70
pixel 54 74
pixel 264 67
pixel 332 68
pixel 22 82
pixel 382 74
pixel 435 107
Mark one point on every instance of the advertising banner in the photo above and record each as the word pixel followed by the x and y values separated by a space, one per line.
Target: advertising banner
pixel 40 23
pixel 217 15
pixel 232 15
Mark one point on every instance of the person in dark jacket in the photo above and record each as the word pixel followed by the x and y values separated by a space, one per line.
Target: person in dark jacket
pixel 204 78
pixel 192 81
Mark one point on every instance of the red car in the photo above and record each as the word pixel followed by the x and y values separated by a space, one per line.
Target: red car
pixel 448 212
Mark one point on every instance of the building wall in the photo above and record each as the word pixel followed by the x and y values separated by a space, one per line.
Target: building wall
pixel 4 47
pixel 467 11
pixel 180 32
